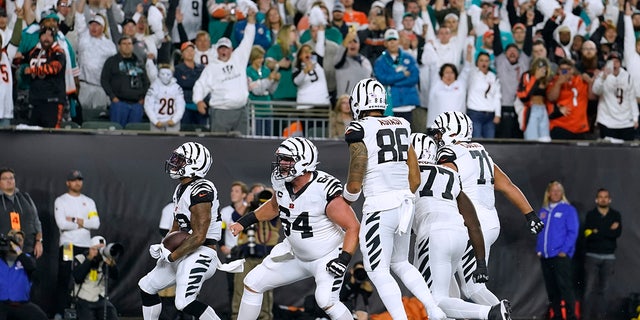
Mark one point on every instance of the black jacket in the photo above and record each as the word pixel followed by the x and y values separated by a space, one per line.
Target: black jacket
pixel 604 241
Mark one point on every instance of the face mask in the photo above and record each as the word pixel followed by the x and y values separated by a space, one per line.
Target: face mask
pixel 165 76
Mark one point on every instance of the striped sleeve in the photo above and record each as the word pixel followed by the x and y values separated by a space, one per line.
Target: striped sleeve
pixel 354 132
pixel 202 191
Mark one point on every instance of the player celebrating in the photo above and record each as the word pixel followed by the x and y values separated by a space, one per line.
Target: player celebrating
pixel 438 220
pixel 313 215
pixel 480 176
pixel 195 259
pixel 384 163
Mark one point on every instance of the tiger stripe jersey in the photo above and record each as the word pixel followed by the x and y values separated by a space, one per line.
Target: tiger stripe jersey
pixel 197 191
pixel 45 69
pixel 311 234
pixel 387 141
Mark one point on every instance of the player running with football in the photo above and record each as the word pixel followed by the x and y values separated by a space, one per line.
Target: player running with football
pixel 384 166
pixel 445 220
pixel 480 176
pixel 195 260
pixel 314 215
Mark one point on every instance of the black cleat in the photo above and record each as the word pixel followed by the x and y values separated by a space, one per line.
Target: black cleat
pixel 501 311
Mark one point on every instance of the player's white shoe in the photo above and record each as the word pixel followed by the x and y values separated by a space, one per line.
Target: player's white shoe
pixel 501 311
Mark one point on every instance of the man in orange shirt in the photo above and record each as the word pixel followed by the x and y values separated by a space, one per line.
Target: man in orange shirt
pixel 567 96
pixel 353 17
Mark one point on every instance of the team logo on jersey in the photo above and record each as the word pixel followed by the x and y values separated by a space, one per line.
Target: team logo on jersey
pixel 405 61
pixel 291 205
pixel 543 215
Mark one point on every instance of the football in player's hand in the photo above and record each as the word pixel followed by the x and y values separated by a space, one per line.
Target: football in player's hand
pixel 174 239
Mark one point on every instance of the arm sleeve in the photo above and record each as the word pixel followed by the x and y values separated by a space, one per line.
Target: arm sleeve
pixel 80 270
pixel 93 220
pixel 149 103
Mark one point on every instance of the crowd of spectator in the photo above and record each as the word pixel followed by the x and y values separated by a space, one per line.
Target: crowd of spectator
pixel 538 69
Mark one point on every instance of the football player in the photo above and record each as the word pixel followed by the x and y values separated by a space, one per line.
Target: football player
pixel 320 228
pixel 445 215
pixel 480 176
pixel 384 166
pixel 195 260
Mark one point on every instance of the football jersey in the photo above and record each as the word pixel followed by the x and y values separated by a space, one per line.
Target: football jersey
pixel 191 18
pixel 437 205
pixel 476 172
pixel 305 224
pixel 204 57
pixel 386 182
pixel 197 191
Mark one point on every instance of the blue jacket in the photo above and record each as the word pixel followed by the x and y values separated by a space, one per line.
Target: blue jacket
pixel 404 90
pixel 15 281
pixel 560 231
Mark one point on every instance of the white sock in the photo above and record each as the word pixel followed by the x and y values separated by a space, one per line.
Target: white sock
pixel 484 297
pixel 152 312
pixel 460 309
pixel 209 314
pixel 250 305
pixel 339 311
pixel 389 293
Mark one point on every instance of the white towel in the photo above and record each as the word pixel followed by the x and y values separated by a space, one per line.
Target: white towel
pixel 235 266
pixel 406 212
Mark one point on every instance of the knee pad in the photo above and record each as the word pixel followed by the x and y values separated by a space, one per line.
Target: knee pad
pixel 148 299
pixel 399 268
pixel 182 302
pixel 195 308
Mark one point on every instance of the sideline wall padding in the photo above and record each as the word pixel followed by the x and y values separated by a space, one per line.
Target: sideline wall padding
pixel 125 176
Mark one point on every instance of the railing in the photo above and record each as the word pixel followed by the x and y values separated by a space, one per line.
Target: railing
pixel 283 119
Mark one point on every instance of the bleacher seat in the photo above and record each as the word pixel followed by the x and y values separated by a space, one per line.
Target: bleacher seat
pixel 192 127
pixel 138 126
pixel 94 115
pixel 108 125
pixel 69 125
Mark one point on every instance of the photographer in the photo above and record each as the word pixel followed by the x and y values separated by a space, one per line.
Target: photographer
pixel 255 243
pixel 16 268
pixel 90 272
pixel 356 291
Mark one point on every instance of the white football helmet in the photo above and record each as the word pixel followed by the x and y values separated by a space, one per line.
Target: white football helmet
pixel 189 160
pixel 368 94
pixel 455 126
pixel 294 157
pixel 425 147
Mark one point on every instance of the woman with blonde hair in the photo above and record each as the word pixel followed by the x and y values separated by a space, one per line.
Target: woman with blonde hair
pixel 532 92
pixel 556 246
pixel 280 57
pixel 340 117
pixel 262 83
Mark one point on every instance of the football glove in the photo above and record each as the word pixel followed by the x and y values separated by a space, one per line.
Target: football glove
pixel 338 266
pixel 534 223
pixel 481 274
pixel 158 251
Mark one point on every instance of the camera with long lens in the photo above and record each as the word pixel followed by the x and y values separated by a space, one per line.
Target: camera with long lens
pixel 251 240
pixel 359 274
pixel 112 251
pixel 5 242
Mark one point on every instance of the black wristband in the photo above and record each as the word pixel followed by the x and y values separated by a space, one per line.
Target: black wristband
pixel 529 215
pixel 248 219
pixel 481 263
pixel 345 257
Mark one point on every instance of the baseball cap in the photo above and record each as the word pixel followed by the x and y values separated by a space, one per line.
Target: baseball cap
pixel 128 20
pixel 408 14
pixel 98 240
pixel 186 45
pixel 224 42
pixel 451 16
pixel 97 19
pixel 391 34
pixel 519 25
pixel 338 6
pixel 49 14
pixel 564 28
pixel 614 55
pixel 487 34
pixel 377 3
pixel 74 175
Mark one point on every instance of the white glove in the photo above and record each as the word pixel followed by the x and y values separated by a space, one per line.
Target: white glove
pixel 158 251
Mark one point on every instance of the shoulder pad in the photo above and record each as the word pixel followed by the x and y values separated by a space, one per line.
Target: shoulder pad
pixel 354 132
pixel 445 154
